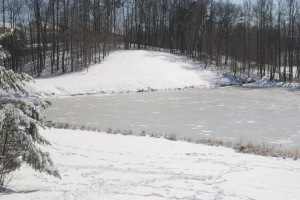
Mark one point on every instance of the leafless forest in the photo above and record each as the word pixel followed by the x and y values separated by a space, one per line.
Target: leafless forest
pixel 257 38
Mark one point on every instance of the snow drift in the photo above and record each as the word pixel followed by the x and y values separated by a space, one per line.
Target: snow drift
pixel 131 71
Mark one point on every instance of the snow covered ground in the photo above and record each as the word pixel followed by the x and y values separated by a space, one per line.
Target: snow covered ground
pixel 102 166
pixel 263 83
pixel 131 71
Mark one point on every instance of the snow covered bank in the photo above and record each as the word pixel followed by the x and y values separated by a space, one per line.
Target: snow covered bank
pixel 265 83
pixel 131 71
pixel 256 82
pixel 103 166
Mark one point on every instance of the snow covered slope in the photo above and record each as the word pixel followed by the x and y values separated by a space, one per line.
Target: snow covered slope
pixel 116 167
pixel 131 71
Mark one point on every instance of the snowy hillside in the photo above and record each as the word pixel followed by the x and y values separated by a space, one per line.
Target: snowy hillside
pixel 131 71
pixel 102 166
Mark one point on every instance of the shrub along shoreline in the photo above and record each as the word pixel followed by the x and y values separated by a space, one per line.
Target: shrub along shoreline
pixel 241 146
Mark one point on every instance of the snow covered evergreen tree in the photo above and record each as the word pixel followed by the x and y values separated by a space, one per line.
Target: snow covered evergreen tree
pixel 20 120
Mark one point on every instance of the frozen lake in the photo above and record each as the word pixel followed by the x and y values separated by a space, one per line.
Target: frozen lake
pixel 229 113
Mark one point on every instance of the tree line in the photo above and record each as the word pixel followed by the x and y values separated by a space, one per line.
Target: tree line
pixel 259 37
pixel 256 38
pixel 57 35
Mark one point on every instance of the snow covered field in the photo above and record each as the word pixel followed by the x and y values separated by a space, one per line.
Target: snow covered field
pixel 102 166
pixel 131 71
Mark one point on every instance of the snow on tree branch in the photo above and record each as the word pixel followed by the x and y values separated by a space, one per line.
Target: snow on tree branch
pixel 20 120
